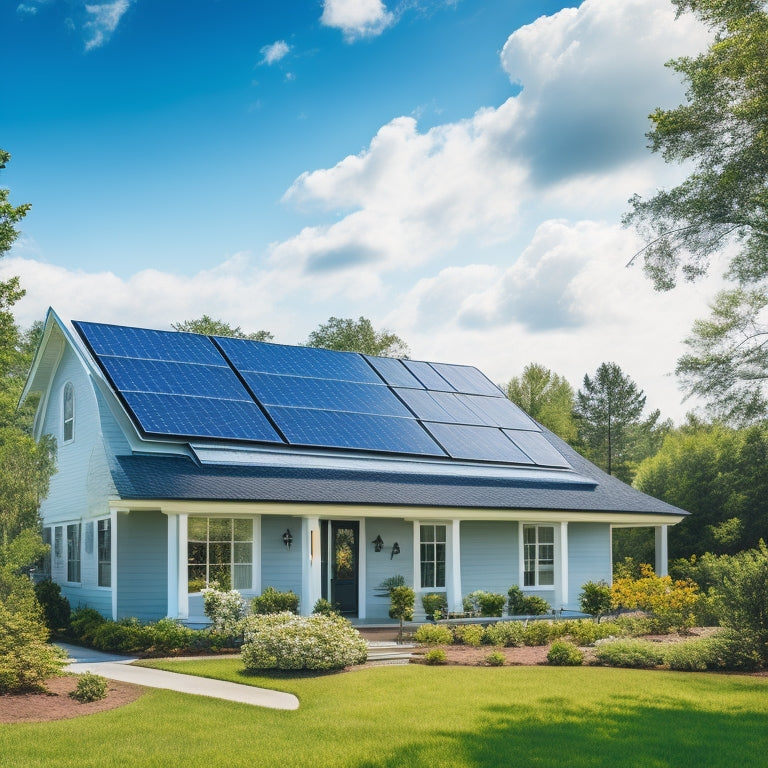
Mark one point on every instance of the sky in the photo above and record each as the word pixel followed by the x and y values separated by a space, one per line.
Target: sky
pixel 454 170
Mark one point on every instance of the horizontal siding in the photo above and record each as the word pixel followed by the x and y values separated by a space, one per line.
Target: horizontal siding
pixel 280 567
pixel 489 556
pixel 382 565
pixel 589 556
pixel 142 565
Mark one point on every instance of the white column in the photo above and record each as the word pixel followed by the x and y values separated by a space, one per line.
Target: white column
pixel 662 554
pixel 563 566
pixel 417 560
pixel 113 562
pixel 173 567
pixel 310 564
pixel 362 551
pixel 182 588
pixel 453 566
pixel 256 557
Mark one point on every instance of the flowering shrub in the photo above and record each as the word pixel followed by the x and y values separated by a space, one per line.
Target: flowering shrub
pixel 224 609
pixel 286 641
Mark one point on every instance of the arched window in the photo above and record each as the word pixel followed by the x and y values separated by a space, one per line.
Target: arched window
pixel 68 412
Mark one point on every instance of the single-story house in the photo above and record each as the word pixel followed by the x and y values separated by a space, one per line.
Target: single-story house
pixel 185 459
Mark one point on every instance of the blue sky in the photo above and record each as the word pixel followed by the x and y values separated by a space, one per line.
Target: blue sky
pixel 454 170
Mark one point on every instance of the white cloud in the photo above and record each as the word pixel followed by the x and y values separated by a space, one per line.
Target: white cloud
pixel 356 18
pixel 273 53
pixel 102 21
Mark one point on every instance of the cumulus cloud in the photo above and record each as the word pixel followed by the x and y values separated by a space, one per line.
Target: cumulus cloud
pixel 102 22
pixel 356 18
pixel 273 53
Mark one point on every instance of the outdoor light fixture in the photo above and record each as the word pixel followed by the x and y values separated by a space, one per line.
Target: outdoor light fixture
pixel 377 544
pixel 287 538
pixel 395 550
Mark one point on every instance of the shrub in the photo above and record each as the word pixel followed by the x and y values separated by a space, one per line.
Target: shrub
pixel 526 605
pixel 90 687
pixel 632 626
pixel 595 598
pixel 169 636
pixel 124 636
pixel 325 607
pixel 401 601
pixel 538 633
pixel 691 656
pixel 638 654
pixel 435 656
pixel 732 650
pixel 391 582
pixel 272 601
pixel 469 634
pixel 84 622
pixel 225 609
pixel 435 604
pixel 564 654
pixel 495 659
pixel 433 634
pixel 56 608
pixel 491 604
pixel 587 632
pixel 287 641
pixel 505 633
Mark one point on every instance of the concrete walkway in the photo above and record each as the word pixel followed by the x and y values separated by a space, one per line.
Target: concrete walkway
pixel 115 667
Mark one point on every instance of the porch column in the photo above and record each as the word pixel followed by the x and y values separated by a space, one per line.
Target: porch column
pixel 662 554
pixel 563 566
pixel 113 559
pixel 182 588
pixel 362 585
pixel 173 566
pixel 453 581
pixel 310 564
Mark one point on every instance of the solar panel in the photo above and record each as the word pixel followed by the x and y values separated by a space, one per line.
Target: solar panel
pixel 337 429
pixel 438 406
pixel 299 391
pixel 394 372
pixel 313 363
pixel 499 412
pixel 428 376
pixel 467 379
pixel 477 443
pixel 148 344
pixel 181 415
pixel 541 451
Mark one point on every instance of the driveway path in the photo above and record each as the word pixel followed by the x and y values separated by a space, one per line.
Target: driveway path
pixel 115 667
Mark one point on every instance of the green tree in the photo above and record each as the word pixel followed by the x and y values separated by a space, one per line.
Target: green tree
pixel 611 431
pixel 721 208
pixel 210 326
pixel 347 335
pixel 546 397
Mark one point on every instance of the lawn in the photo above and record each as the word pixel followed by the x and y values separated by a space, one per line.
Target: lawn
pixel 423 716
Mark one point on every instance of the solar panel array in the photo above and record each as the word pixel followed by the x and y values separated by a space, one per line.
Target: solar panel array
pixel 187 385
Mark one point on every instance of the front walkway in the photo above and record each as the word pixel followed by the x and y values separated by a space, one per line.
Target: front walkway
pixel 115 667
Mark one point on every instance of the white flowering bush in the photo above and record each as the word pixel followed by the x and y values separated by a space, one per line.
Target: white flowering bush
pixel 225 609
pixel 286 641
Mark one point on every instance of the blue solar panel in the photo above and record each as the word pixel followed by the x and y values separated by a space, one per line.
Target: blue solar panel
pixel 499 412
pixel 394 372
pixel 137 375
pixel 299 391
pixel 438 406
pixel 313 363
pixel 336 429
pixel 181 415
pixel 466 379
pixel 541 451
pixel 428 376
pixel 477 443
pixel 149 344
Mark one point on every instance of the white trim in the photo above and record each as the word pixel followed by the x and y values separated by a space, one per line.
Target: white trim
pixel 256 571
pixel 182 600
pixel 173 566
pixel 417 556
pixel 521 556
pixel 311 574
pixel 362 561
pixel 661 550
pixel 64 420
pixel 563 565
pixel 113 576
pixel 453 566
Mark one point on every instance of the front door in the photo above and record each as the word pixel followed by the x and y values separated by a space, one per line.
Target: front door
pixel 344 565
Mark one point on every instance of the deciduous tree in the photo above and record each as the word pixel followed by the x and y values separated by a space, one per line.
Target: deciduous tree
pixel 210 326
pixel 347 335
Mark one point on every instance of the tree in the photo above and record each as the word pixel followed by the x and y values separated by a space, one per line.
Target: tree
pixel 608 416
pixel 347 335
pixel 722 206
pixel 546 397
pixel 210 326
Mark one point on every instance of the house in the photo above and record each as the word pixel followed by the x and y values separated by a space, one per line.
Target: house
pixel 184 459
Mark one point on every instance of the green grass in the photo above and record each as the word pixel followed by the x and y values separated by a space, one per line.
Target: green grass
pixel 575 717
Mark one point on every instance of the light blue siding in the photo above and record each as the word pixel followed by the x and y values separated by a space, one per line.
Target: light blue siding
pixel 489 556
pixel 382 565
pixel 280 567
pixel 589 557
pixel 142 565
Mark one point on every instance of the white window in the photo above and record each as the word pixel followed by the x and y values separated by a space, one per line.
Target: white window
pixel 58 544
pixel 539 555
pixel 73 552
pixel 432 556
pixel 220 550
pixel 104 552
pixel 68 413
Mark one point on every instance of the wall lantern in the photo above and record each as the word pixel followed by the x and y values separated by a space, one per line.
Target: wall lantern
pixel 377 544
pixel 395 550
pixel 287 538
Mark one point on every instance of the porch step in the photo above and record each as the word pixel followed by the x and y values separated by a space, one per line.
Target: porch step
pixel 389 653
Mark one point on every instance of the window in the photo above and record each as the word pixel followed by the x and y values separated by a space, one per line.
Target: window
pixel 44 565
pixel 58 545
pixel 539 555
pixel 68 413
pixel 104 552
pixel 73 552
pixel 433 556
pixel 220 550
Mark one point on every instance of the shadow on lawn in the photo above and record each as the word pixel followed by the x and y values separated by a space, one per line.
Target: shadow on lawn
pixel 622 732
